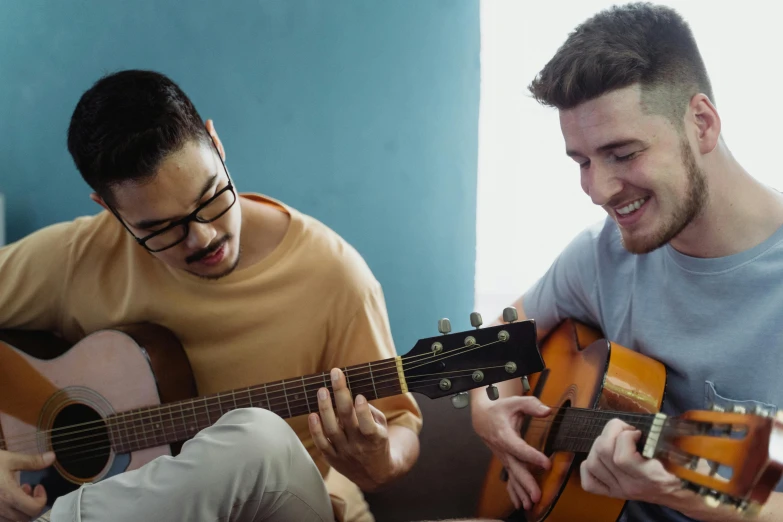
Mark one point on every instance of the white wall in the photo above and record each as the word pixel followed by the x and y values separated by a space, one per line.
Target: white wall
pixel 530 203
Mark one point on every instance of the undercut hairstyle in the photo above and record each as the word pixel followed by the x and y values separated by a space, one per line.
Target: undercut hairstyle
pixel 638 43
pixel 126 124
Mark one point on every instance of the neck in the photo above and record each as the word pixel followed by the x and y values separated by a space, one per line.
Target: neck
pixel 575 429
pixel 178 421
pixel 263 228
pixel 740 212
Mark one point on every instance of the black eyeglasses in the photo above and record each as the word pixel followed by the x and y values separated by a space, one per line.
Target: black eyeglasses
pixel 177 231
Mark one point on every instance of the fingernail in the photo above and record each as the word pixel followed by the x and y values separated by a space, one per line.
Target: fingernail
pixel 335 375
pixel 322 394
pixel 360 400
pixel 313 420
pixel 543 408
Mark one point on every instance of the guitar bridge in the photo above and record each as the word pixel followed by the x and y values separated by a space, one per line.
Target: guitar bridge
pixel 653 436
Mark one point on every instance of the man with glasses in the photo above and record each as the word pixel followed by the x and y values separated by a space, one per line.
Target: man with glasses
pixel 255 291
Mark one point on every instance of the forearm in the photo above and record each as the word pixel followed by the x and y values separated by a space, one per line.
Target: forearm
pixel 694 506
pixel 404 450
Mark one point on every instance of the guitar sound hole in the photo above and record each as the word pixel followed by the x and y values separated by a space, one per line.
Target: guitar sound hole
pixel 81 441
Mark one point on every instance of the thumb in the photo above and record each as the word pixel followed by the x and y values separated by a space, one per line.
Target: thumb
pixel 21 461
pixel 529 406
pixel 378 415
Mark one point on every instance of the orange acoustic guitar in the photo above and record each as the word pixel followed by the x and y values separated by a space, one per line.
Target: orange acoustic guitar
pixel 590 381
pixel 122 397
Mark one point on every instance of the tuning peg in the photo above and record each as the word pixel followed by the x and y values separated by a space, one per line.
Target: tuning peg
pixel 510 314
pixel 492 392
pixel 460 400
pixel 475 320
pixel 444 326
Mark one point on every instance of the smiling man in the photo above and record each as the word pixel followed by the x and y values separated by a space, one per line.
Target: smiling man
pixel 686 268
pixel 255 291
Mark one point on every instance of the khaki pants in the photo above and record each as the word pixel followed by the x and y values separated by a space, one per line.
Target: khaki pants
pixel 248 466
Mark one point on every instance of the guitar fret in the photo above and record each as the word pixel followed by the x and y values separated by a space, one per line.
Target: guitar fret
pixel 285 395
pixel 234 397
pixel 206 407
pixel 173 426
pixel 144 431
pixel 161 433
pixel 373 381
pixel 304 392
pixel 268 404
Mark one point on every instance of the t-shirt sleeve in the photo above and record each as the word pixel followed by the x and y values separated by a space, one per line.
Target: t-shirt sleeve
pixel 365 336
pixel 568 288
pixel 33 278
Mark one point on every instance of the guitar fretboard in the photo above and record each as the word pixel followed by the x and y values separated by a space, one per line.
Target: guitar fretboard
pixel 178 421
pixel 576 429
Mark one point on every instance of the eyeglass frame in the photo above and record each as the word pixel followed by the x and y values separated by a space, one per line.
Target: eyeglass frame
pixel 185 221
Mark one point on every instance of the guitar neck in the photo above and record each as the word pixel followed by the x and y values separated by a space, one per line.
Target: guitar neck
pixel 575 429
pixel 177 421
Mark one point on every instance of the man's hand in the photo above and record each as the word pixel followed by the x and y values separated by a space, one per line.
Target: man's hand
pixel 499 427
pixel 614 468
pixel 356 440
pixel 21 503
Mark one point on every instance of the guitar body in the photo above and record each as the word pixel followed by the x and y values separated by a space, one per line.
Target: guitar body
pixel 583 371
pixel 107 372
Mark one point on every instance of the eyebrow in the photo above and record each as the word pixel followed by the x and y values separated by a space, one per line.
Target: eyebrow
pixel 149 223
pixel 603 148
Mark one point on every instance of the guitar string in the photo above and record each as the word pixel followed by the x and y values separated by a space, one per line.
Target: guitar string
pixel 195 414
pixel 579 438
pixel 545 421
pixel 281 385
pixel 666 449
pixel 63 453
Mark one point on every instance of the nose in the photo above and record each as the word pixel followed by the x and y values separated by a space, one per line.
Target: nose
pixel 601 184
pixel 200 235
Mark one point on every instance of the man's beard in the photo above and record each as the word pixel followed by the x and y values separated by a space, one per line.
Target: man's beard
pixel 688 209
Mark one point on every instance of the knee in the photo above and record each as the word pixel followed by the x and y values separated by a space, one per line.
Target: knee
pixel 251 429
pixel 255 438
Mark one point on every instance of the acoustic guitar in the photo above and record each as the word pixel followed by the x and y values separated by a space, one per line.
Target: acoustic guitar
pixel 589 381
pixel 122 397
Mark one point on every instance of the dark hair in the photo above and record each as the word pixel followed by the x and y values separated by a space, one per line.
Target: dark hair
pixel 637 43
pixel 126 124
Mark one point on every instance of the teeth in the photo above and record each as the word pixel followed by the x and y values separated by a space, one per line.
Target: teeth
pixel 631 207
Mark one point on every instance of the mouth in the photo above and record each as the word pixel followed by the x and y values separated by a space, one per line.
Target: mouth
pixel 631 207
pixel 631 211
pixel 209 257
pixel 215 257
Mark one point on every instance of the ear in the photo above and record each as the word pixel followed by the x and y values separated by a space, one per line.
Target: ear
pixel 214 135
pixel 704 116
pixel 99 200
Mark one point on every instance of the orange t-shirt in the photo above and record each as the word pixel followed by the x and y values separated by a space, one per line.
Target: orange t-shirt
pixel 311 305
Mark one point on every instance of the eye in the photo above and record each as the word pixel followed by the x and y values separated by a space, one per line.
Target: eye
pixel 627 157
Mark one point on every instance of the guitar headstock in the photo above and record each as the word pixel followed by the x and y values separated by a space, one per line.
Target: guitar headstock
pixel 456 362
pixel 732 458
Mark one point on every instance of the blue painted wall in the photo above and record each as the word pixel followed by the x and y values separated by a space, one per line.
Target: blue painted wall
pixel 361 113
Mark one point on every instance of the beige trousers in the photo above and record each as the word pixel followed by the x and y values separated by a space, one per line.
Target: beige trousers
pixel 248 466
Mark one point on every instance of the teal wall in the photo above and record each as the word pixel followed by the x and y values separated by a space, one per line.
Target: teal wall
pixel 361 113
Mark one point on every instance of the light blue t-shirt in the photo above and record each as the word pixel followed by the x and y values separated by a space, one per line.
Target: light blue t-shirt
pixel 717 324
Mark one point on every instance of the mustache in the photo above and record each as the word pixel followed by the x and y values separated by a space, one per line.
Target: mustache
pixel 209 250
